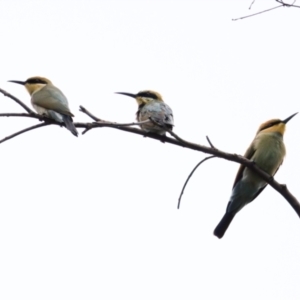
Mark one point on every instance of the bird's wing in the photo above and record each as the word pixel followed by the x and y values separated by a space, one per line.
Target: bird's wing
pixel 161 113
pixel 249 154
pixel 52 98
pixel 260 190
pixel 169 119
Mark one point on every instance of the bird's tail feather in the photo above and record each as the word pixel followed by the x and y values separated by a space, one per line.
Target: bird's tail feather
pixel 223 225
pixel 69 124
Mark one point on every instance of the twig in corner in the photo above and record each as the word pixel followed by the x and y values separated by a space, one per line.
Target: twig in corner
pixel 261 12
pixel 283 4
pixel 288 5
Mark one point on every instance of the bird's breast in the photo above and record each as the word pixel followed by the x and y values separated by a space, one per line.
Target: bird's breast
pixel 269 151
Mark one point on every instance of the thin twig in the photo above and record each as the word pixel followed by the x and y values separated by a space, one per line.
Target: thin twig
pixel 23 131
pixel 251 4
pixel 30 111
pixel 191 174
pixel 261 12
pixel 85 111
pixel 210 143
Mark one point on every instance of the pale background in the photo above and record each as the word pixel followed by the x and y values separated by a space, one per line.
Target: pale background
pixel 95 217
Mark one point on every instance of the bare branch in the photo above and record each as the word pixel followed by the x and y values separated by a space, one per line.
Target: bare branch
pixel 282 189
pixel 6 94
pixel 23 131
pixel 191 174
pixel 124 124
pixel 119 126
pixel 100 121
pixel 31 115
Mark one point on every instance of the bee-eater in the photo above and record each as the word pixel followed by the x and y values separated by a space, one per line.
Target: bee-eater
pixel 267 150
pixel 49 101
pixel 151 106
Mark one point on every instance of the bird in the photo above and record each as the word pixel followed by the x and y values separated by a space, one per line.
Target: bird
pixel 49 101
pixel 267 150
pixel 151 106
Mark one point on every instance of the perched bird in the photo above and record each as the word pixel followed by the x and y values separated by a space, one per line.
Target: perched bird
pixel 267 150
pixel 49 101
pixel 152 106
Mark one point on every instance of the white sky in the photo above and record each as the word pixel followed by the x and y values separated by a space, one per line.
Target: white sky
pixel 95 217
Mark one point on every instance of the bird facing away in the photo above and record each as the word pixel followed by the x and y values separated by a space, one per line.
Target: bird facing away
pixel 267 150
pixel 49 101
pixel 151 106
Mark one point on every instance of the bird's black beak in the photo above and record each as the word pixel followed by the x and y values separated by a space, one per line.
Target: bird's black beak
pixel 16 81
pixel 287 119
pixel 127 94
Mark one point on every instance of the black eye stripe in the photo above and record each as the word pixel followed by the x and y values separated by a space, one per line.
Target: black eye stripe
pixel 36 80
pixel 147 94
pixel 271 124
